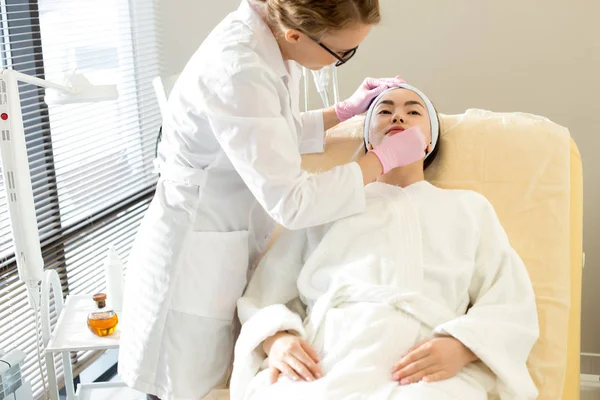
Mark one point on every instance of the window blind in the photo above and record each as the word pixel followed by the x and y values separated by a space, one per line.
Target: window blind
pixel 91 163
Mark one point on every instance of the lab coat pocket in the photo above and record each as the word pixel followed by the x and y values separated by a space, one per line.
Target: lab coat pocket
pixel 212 275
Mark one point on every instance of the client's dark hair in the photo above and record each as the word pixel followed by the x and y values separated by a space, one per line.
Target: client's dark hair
pixel 435 150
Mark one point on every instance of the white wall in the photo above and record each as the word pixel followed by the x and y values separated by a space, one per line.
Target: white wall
pixel 536 56
pixel 185 23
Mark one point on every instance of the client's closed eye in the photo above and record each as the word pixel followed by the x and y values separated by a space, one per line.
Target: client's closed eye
pixel 384 112
pixel 414 113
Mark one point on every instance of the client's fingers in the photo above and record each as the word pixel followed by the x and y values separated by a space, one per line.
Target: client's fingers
pixel 414 368
pixel 309 350
pixel 288 371
pixel 299 367
pixel 438 376
pixel 414 378
pixel 411 357
pixel 416 346
pixel 307 356
pixel 274 374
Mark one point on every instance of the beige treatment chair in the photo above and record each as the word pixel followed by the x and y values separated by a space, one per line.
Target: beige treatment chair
pixel 530 169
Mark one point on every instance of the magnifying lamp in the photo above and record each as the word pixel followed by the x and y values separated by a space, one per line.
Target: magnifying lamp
pixel 15 166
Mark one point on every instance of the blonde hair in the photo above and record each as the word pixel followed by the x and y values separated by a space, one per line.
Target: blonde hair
pixel 318 17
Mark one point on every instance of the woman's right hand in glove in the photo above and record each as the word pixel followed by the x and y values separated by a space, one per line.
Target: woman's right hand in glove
pixel 364 95
pixel 291 356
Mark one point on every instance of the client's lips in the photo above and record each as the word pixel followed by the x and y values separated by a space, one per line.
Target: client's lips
pixel 394 130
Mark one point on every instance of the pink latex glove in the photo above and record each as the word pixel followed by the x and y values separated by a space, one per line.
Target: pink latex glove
pixel 401 149
pixel 364 95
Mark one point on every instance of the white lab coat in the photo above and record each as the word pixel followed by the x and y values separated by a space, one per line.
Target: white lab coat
pixel 230 169
pixel 419 262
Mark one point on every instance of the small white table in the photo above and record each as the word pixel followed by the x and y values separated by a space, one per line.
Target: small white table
pixel 71 334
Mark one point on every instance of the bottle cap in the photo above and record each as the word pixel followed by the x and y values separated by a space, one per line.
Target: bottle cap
pixel 99 297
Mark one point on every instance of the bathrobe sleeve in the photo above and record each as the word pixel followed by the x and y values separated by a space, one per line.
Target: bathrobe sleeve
pixel 266 307
pixel 501 327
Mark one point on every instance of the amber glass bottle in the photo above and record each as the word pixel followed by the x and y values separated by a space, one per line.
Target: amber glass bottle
pixel 102 321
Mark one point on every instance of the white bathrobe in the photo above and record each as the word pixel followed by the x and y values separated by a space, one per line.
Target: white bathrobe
pixel 420 262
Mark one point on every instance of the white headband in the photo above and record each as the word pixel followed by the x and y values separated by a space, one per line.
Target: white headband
pixel 433 120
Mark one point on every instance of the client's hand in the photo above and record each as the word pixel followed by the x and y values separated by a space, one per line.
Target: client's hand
pixel 401 149
pixel 364 95
pixel 433 360
pixel 292 356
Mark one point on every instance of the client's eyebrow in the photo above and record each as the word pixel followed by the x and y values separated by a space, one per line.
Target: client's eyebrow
pixel 413 103
pixel 408 103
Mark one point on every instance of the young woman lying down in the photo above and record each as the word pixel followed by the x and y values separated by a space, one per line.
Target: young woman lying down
pixel 420 297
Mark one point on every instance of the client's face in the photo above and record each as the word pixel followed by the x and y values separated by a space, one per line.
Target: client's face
pixel 396 111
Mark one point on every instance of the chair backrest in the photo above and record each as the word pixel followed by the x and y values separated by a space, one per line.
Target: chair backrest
pixel 162 87
pixel 51 282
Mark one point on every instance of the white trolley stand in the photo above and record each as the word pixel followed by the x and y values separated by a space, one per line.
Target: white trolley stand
pixel 72 334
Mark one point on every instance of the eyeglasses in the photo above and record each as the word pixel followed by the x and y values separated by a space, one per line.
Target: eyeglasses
pixel 343 59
